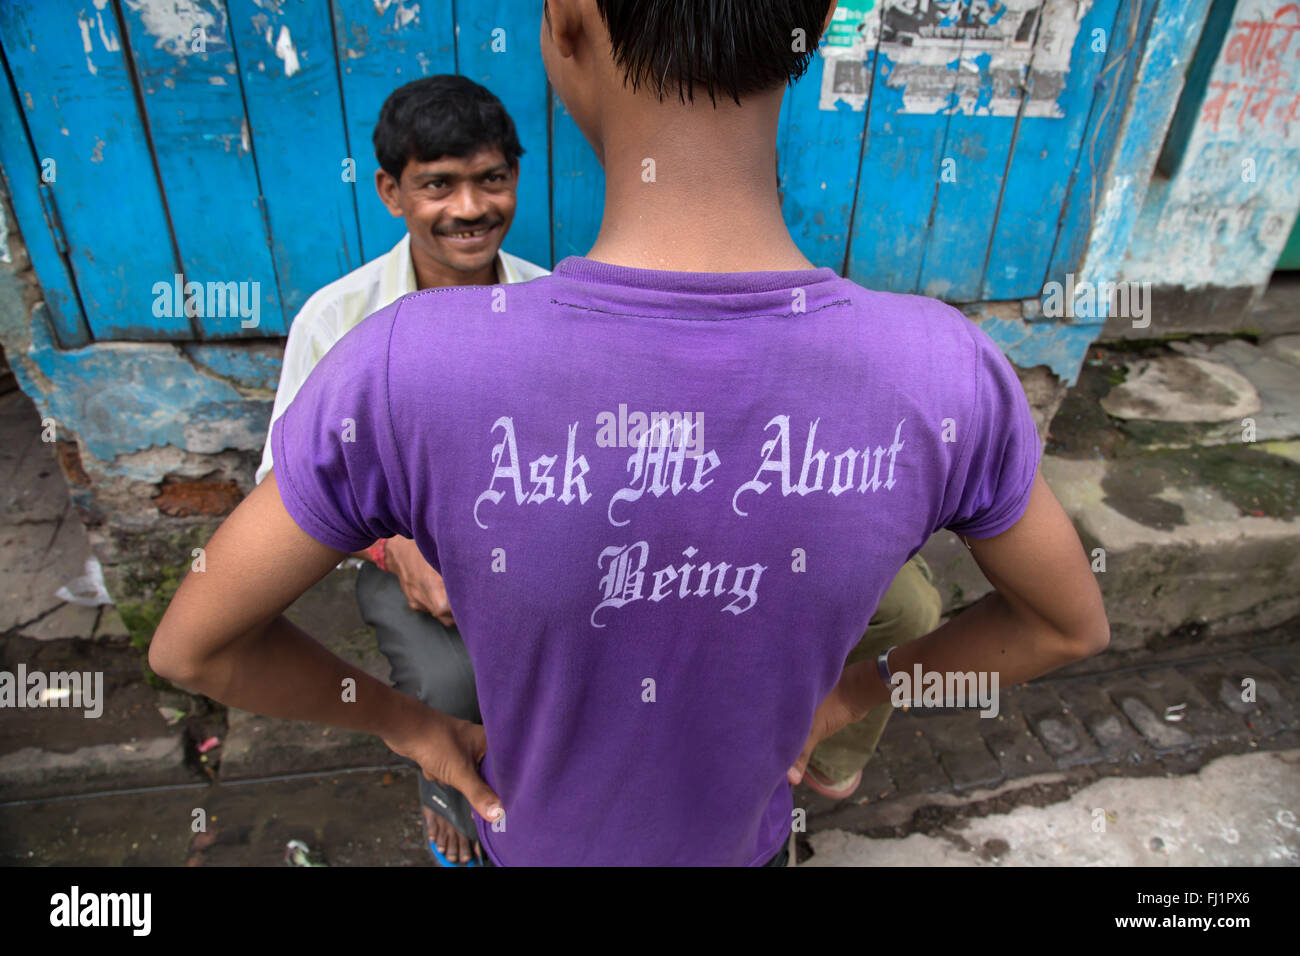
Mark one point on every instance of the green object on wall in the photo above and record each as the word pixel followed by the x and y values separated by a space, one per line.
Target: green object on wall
pixel 1290 258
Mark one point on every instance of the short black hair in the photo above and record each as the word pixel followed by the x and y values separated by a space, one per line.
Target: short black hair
pixel 736 47
pixel 443 115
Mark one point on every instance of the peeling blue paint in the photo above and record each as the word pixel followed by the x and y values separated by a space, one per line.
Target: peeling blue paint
pixel 1233 191
pixel 1061 347
pixel 252 366
pixel 1175 29
pixel 79 110
pixel 122 398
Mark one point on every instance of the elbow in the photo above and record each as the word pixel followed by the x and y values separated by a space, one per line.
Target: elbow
pixel 166 660
pixel 1093 642
pixel 160 661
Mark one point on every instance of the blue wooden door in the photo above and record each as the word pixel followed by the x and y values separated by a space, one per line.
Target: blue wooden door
pixel 931 147
pixel 934 146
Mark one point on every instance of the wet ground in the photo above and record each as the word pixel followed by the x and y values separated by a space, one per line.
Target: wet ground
pixel 356 818
pixel 948 786
pixel 1149 456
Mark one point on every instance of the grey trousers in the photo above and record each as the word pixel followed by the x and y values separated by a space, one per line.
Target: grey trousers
pixel 429 662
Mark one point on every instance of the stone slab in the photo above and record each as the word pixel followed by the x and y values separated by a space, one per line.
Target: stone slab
pixel 1236 811
pixel 32 773
pixel 1224 572
pixel 1113 733
pixel 68 621
pixel 1058 730
pixel 1009 739
pixel 27 584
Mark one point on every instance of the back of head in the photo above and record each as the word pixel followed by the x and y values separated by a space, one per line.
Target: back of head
pixel 729 48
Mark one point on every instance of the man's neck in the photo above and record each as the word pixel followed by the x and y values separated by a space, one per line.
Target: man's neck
pixel 430 274
pixel 713 204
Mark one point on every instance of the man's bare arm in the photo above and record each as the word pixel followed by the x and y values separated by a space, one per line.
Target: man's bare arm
pixel 225 636
pixel 1046 611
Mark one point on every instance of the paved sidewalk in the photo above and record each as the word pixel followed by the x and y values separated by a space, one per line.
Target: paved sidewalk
pixel 1053 738
pixel 1237 811
pixel 43 544
pixel 944 788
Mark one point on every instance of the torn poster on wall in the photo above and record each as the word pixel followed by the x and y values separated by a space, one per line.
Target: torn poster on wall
pixel 951 56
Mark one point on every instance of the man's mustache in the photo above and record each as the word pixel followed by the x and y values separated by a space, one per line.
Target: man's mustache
pixel 470 227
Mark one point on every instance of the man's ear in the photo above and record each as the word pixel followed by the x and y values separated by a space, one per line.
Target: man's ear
pixel 388 190
pixel 565 23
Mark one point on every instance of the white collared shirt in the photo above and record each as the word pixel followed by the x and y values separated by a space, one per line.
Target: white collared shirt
pixel 334 310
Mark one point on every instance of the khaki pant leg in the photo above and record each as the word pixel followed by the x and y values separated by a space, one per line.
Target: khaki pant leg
pixel 910 609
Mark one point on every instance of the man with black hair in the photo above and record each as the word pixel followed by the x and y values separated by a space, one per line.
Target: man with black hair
pixel 448 166
pixel 659 623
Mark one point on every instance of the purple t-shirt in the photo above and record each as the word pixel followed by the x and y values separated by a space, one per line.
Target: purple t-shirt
pixel 666 505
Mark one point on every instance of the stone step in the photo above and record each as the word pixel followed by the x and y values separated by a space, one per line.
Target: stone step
pixel 106 733
pixel 50 752
pixel 1190 524
pixel 35 773
pixel 1184 564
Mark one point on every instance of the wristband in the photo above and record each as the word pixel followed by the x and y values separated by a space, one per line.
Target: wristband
pixel 882 665
pixel 378 553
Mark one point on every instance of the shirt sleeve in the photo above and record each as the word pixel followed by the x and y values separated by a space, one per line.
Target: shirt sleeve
pixel 336 461
pixel 990 485
pixel 295 366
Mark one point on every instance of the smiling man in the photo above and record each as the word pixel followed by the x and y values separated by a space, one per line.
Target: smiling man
pixel 449 165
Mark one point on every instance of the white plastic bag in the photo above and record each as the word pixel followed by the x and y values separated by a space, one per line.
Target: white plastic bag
pixel 87 590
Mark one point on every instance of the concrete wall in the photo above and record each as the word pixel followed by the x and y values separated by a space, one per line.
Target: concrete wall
pixel 1226 191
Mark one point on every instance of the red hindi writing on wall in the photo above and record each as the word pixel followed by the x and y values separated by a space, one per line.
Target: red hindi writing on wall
pixel 1258 73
